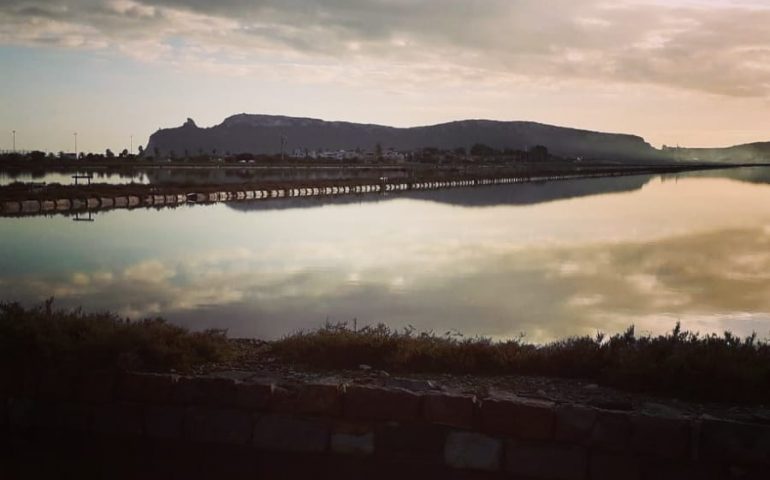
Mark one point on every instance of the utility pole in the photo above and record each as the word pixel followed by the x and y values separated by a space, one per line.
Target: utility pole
pixel 283 145
pixel 75 134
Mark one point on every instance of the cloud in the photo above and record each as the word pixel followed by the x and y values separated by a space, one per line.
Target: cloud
pixel 715 47
pixel 709 280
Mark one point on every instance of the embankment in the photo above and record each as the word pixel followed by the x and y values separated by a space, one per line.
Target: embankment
pixel 135 425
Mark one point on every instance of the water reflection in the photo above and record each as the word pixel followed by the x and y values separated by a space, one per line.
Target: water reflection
pixel 651 252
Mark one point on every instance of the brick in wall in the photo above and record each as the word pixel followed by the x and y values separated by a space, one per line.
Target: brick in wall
pixel 410 442
pixel 734 442
pixel 661 437
pixel 164 421
pixel 451 410
pixel 545 461
pixel 521 418
pixel 473 451
pixel 291 434
pixel 613 466
pixel 252 396
pixel 574 423
pixel 146 387
pixel 372 403
pixel 118 419
pixel 215 425
pixel 612 431
pixel 310 399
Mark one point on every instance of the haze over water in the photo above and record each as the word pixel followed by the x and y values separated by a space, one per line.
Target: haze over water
pixel 546 260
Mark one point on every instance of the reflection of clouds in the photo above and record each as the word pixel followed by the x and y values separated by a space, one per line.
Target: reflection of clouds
pixel 706 280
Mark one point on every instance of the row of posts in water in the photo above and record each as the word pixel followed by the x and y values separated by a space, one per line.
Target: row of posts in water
pixel 132 201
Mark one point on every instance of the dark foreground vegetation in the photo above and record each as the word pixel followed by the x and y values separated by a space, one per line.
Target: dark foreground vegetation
pixel 41 338
pixel 683 364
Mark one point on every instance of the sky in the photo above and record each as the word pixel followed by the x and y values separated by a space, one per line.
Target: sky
pixel 677 72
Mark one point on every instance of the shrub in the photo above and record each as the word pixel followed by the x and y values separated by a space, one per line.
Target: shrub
pixel 41 337
pixel 712 367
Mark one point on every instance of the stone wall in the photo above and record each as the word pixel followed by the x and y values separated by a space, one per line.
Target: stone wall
pixel 330 429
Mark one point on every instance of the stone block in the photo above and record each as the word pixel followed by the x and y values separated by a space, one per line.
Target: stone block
pixel 215 391
pixel 372 403
pixel 740 443
pixel 522 418
pixel 73 417
pixel 688 471
pixel 164 421
pixel 574 423
pixel 106 202
pixel 545 461
pixel 56 385
pixel 98 386
pixel 608 466
pixel 219 426
pixel 311 399
pixel 252 396
pixel 352 440
pixel 23 413
pixel 660 436
pixel 473 451
pixel 612 431
pixel 451 410
pixel 411 442
pixel 146 387
pixel 291 434
pixel 119 419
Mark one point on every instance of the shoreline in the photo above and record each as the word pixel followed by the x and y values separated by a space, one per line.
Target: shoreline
pixel 30 199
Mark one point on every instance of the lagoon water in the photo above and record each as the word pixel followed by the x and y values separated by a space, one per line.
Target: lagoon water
pixel 546 260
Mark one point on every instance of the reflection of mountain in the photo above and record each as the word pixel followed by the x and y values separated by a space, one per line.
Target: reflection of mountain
pixel 748 174
pixel 748 153
pixel 532 193
pixel 266 134
pixel 519 194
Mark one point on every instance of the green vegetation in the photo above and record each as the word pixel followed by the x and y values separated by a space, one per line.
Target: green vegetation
pixel 689 365
pixel 41 338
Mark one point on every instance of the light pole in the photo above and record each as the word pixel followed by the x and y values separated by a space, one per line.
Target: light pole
pixel 130 144
pixel 13 133
pixel 75 134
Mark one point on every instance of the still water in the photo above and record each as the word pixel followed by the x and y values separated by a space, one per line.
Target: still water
pixel 546 260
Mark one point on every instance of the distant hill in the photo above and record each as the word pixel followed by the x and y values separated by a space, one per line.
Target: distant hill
pixel 748 153
pixel 261 134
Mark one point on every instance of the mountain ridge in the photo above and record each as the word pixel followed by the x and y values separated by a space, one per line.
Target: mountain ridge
pixel 271 134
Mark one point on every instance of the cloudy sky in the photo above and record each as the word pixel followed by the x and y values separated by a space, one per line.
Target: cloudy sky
pixel 689 72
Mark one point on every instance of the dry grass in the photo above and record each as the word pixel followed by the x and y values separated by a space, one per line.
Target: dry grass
pixel 42 337
pixel 689 365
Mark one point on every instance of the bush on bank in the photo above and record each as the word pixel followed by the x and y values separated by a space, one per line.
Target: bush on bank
pixel 708 367
pixel 41 337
